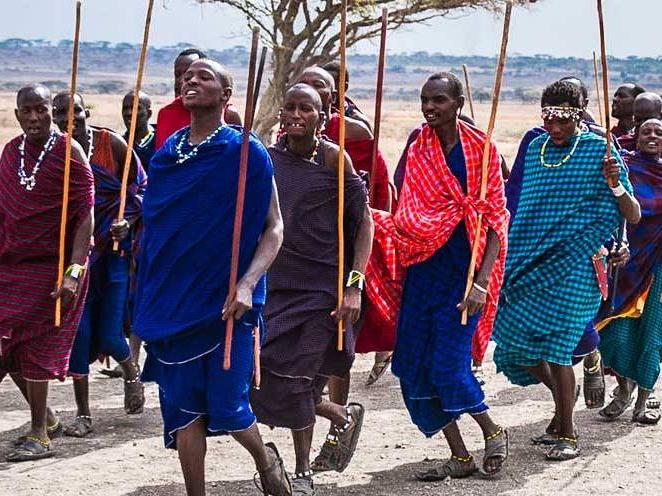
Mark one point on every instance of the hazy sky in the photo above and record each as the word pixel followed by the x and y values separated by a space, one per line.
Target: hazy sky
pixel 555 27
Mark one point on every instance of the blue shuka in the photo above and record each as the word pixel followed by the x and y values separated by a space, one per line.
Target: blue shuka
pixel 183 279
pixel 432 356
pixel 550 292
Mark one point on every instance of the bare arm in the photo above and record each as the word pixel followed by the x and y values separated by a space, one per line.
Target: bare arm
pixel 270 242
pixel 627 203
pixel 476 299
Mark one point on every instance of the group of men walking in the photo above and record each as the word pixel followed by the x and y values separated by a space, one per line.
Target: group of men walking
pixel 549 237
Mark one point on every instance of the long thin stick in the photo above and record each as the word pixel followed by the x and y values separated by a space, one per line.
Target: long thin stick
pixel 379 95
pixel 605 78
pixel 341 168
pixel 241 192
pixel 260 73
pixel 486 150
pixel 465 69
pixel 257 366
pixel 134 114
pixel 597 87
pixel 605 92
pixel 67 165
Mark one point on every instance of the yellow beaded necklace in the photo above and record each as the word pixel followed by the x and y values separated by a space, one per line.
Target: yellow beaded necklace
pixel 564 159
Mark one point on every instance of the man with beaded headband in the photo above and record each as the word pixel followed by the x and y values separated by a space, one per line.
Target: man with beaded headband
pixel 300 352
pixel 101 329
pixel 554 280
pixel 182 295
pixel 32 349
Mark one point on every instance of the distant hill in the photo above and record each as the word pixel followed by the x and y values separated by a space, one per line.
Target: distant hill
pixel 110 68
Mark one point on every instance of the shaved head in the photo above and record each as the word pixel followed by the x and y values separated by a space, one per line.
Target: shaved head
pixel 33 91
pixel 309 91
pixel 62 99
pixel 319 72
pixel 144 98
pixel 647 106
pixel 219 70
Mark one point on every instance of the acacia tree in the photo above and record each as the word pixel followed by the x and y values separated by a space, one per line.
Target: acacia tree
pixel 301 33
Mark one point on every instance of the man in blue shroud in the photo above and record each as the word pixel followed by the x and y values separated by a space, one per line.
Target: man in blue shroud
pixel 182 299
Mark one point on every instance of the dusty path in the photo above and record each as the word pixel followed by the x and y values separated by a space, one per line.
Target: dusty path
pixel 124 455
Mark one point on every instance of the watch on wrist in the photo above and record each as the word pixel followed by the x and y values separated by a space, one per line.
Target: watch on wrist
pixel 356 280
pixel 75 271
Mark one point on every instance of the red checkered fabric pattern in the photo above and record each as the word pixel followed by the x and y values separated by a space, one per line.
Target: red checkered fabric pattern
pixel 431 205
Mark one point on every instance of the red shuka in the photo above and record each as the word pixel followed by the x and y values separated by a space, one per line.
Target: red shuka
pixel 430 207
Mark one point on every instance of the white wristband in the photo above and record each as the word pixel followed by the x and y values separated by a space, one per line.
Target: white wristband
pixel 618 190
pixel 480 288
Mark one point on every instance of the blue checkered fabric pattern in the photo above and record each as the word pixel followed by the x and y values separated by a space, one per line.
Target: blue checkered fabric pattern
pixel 550 292
pixel 631 347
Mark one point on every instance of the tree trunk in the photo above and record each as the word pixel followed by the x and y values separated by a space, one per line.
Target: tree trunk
pixel 272 99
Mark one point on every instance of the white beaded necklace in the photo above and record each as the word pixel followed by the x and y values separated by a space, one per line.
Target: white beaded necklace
pixel 29 182
pixel 183 157
pixel 90 143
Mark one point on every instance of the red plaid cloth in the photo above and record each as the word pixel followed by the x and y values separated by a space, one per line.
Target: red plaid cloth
pixel 432 204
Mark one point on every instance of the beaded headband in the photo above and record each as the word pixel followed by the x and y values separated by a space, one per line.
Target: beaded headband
pixel 572 113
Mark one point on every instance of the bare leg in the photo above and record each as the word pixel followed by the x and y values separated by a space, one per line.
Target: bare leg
pixel 82 394
pixel 192 448
pixel 337 414
pixel 251 440
pixel 565 390
pixel 455 441
pixel 38 397
pixel 22 386
pixel 339 389
pixel 303 440
pixel 129 368
pixel 382 356
pixel 543 373
pixel 642 397
pixel 135 344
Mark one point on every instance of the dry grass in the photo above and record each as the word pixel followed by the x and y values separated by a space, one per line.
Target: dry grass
pixel 399 118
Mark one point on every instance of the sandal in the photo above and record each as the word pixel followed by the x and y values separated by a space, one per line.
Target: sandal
pixel 339 447
pixel 115 373
pixel 646 416
pixel 264 479
pixel 134 396
pixel 52 431
pixel 594 386
pixel 565 449
pixel 302 484
pixel 616 408
pixel 33 448
pixel 496 448
pixel 80 427
pixel 456 468
pixel 378 370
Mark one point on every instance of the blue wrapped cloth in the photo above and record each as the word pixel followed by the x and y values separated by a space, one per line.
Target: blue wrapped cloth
pixel 432 357
pixel 183 277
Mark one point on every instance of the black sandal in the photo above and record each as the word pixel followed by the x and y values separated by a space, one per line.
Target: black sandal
pixel 264 479
pixel 497 447
pixel 80 427
pixel 339 447
pixel 594 386
pixel 302 484
pixel 31 449
pixel 566 448
pixel 52 431
pixel 456 468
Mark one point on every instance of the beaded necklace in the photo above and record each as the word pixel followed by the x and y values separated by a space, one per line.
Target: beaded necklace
pixel 313 154
pixel 183 157
pixel 564 159
pixel 29 182
pixel 90 143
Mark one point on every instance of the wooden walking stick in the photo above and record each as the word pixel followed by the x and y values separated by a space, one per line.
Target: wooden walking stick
pixel 241 193
pixel 67 165
pixel 597 87
pixel 465 69
pixel 607 115
pixel 260 73
pixel 341 168
pixel 134 115
pixel 486 150
pixel 379 95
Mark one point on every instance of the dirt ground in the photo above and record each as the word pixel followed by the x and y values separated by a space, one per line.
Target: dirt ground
pixel 124 456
